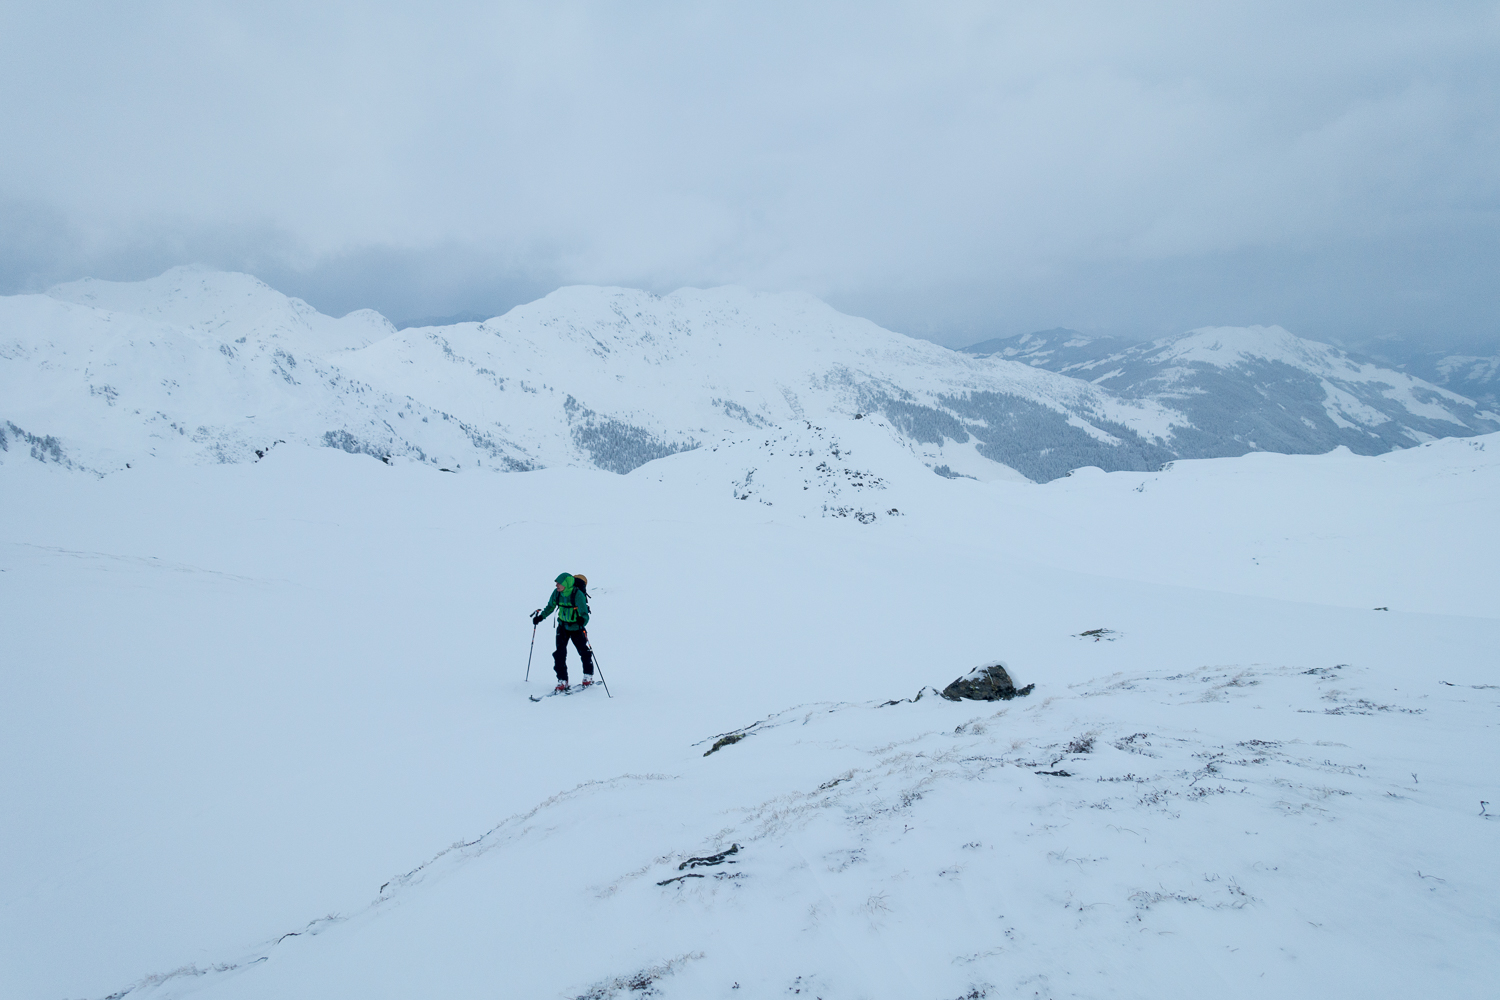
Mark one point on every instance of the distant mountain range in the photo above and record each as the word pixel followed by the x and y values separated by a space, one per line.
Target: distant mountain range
pixel 1256 388
pixel 208 366
pixel 1476 376
pixel 450 320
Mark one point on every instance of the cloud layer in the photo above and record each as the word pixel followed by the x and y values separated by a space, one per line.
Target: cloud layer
pixel 952 170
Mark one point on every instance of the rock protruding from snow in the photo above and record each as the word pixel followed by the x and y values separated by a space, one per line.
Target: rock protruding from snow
pixel 990 682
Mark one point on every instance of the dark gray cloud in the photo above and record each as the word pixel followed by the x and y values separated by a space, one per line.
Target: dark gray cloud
pixel 952 170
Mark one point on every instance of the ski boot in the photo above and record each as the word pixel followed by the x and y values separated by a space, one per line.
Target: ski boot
pixel 562 688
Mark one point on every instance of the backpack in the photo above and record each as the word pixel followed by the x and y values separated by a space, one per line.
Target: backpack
pixel 569 613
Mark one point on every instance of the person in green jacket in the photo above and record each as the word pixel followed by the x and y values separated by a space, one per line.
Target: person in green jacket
pixel 571 599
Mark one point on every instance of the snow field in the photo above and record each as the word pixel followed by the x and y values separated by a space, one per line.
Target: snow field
pixel 243 699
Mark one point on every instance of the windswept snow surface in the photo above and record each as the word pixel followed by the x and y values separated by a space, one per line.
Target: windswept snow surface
pixel 265 730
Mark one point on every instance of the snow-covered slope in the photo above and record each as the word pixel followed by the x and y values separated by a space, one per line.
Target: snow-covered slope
pixel 193 366
pixel 265 730
pixel 1242 389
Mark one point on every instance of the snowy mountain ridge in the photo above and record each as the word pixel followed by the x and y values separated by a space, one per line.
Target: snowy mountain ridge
pixel 198 365
pixel 226 306
pixel 609 378
pixel 1242 389
pixel 1225 347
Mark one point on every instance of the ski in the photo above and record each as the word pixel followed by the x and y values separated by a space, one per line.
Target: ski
pixel 574 689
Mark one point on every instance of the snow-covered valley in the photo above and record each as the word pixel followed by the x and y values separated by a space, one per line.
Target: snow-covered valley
pixel 266 730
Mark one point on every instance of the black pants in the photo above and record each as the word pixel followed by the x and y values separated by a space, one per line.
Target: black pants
pixel 580 639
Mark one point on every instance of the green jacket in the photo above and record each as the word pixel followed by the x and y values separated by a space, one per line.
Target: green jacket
pixel 572 604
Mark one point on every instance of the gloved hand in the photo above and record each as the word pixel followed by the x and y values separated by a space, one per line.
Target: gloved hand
pixel 536 618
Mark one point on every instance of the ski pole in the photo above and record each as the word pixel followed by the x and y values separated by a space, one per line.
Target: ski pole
pixel 598 670
pixel 530 651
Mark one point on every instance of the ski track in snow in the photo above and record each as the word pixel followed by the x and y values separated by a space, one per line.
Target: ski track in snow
pixel 105 561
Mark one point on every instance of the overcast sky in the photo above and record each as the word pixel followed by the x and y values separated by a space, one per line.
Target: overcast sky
pixel 955 171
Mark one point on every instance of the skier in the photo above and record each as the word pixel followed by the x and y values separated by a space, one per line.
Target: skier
pixel 571 599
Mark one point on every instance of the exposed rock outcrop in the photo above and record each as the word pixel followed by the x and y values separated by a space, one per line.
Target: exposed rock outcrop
pixel 990 682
